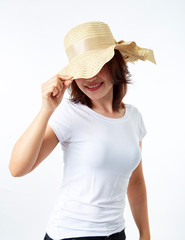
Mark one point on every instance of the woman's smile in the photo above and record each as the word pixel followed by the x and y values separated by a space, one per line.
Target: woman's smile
pixel 99 87
pixel 94 87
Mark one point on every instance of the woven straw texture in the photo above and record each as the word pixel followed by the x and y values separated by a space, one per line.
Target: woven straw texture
pixel 90 45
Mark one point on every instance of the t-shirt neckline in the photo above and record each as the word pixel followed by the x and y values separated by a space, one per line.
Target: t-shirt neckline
pixel 90 110
pixel 108 118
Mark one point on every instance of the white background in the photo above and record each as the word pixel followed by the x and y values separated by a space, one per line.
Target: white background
pixel 32 51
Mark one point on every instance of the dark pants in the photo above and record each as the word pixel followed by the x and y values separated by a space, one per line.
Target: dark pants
pixel 116 236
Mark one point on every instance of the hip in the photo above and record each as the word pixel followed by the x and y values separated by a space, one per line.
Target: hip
pixel 115 236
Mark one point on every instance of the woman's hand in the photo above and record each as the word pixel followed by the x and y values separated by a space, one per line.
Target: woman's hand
pixel 53 91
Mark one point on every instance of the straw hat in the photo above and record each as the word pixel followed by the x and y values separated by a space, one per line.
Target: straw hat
pixel 90 45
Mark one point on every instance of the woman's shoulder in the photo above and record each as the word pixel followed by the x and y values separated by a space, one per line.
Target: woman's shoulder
pixel 69 103
pixel 64 108
pixel 66 102
pixel 132 108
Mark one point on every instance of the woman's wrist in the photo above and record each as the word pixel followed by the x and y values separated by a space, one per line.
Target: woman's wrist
pixel 46 113
pixel 145 236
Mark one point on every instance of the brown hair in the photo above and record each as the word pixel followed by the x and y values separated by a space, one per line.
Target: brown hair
pixel 120 77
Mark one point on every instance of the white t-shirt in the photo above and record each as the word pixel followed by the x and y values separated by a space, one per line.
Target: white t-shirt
pixel 100 154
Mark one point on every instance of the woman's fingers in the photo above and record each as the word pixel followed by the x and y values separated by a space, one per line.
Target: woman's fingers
pixel 53 90
pixel 64 77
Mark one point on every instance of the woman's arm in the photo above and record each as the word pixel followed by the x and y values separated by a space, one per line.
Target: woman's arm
pixel 30 147
pixel 137 197
pixel 39 140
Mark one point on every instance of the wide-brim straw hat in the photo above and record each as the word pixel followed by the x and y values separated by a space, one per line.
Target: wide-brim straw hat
pixel 90 45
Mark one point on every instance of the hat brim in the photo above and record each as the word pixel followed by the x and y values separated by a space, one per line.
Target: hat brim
pixel 90 62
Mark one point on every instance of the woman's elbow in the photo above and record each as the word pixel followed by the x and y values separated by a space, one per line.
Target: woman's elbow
pixel 15 167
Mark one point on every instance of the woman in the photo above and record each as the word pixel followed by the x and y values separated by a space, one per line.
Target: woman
pixel 101 138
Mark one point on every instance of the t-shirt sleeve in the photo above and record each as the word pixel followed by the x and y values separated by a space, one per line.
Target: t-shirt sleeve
pixel 141 126
pixel 60 122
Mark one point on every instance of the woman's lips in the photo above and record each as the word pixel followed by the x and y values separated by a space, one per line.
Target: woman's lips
pixel 92 84
pixel 94 88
